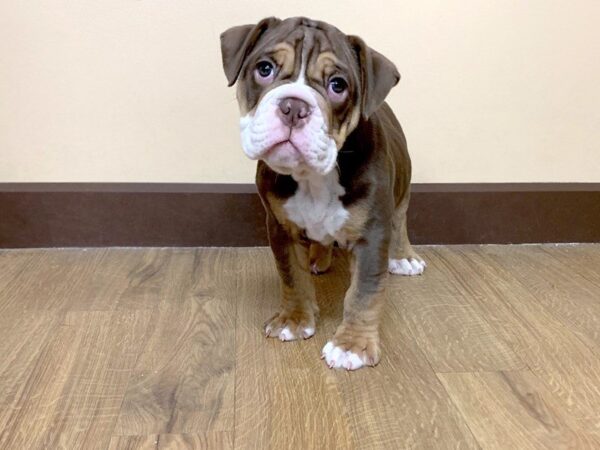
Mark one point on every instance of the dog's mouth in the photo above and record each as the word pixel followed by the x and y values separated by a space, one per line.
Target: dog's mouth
pixel 284 146
pixel 284 157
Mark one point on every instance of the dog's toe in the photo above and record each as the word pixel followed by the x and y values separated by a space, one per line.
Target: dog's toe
pixel 290 327
pixel 406 266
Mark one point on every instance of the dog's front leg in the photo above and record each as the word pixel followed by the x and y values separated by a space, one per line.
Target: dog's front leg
pixel 296 318
pixel 356 342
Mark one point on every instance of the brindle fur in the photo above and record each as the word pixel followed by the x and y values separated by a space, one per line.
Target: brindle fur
pixel 373 165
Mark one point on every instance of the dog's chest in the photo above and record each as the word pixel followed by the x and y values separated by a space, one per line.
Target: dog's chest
pixel 317 209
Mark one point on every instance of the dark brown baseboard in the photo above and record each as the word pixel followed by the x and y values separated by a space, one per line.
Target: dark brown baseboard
pixel 123 214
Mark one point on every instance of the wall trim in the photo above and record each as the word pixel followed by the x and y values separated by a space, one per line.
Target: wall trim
pixel 180 214
pixel 246 188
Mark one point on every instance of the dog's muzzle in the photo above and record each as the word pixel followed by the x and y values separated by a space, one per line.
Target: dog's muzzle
pixel 289 132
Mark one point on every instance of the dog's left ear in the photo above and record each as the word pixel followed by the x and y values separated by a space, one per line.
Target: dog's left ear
pixel 238 42
pixel 378 75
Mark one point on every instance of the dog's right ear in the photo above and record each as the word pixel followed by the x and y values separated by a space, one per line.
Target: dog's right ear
pixel 238 42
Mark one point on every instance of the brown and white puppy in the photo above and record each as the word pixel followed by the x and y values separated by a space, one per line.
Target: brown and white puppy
pixel 332 167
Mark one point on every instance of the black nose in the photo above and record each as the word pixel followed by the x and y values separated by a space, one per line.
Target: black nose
pixel 293 110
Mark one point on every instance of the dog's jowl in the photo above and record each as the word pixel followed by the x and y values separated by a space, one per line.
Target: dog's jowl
pixel 333 167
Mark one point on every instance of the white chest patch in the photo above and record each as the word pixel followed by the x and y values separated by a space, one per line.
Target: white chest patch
pixel 316 207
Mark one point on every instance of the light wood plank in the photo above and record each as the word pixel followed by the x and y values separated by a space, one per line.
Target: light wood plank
pixel 83 279
pixel 208 441
pixel 451 332
pixel 285 397
pixel 49 281
pixel 582 258
pixel 400 403
pixel 184 379
pixel 562 363
pixel 118 278
pixel 22 339
pixel 512 410
pixel 12 262
pixel 569 285
pixel 72 396
pixel 149 442
pixel 163 348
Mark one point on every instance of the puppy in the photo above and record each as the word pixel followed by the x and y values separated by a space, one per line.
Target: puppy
pixel 333 167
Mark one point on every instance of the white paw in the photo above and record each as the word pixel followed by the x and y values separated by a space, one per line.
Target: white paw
pixel 337 358
pixel 285 334
pixel 406 266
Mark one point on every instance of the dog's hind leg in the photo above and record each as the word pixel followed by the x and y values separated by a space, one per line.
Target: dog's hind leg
pixel 403 259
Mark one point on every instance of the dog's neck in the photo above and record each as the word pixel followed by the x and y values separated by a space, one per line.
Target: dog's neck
pixel 316 206
pixel 319 187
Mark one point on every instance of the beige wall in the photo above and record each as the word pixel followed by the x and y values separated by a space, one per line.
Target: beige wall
pixel 107 90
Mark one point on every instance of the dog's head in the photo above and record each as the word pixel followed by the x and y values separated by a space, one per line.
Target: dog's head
pixel 302 87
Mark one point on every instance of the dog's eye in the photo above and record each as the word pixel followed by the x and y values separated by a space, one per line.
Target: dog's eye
pixel 264 69
pixel 338 85
pixel 264 73
pixel 337 90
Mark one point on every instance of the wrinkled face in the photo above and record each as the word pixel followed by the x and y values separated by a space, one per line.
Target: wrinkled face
pixel 298 92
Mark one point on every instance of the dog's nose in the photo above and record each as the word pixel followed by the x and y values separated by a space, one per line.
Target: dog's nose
pixel 292 110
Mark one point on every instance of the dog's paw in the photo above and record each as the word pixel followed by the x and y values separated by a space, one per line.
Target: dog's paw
pixel 290 326
pixel 351 354
pixel 320 258
pixel 406 266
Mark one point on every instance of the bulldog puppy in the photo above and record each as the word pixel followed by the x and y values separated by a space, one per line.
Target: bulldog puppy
pixel 333 167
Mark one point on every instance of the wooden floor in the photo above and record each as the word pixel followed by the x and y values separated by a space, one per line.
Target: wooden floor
pixel 494 347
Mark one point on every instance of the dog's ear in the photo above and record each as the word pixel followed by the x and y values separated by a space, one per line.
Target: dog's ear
pixel 238 42
pixel 378 75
